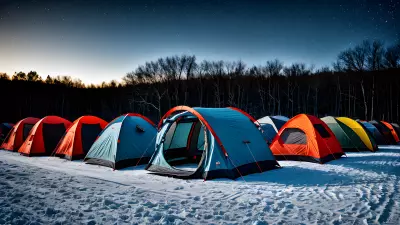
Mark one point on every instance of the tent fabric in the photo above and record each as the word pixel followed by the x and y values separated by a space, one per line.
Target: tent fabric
pixel 270 126
pixel 233 145
pixel 350 134
pixel 126 141
pixel 396 127
pixel 79 137
pixel 392 131
pixel 374 132
pixel 18 134
pixel 365 137
pixel 5 129
pixel 384 130
pixel 306 138
pixel 44 136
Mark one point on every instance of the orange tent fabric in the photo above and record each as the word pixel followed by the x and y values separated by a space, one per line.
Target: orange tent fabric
pixel 18 134
pixel 392 131
pixel 306 138
pixel 44 136
pixel 80 137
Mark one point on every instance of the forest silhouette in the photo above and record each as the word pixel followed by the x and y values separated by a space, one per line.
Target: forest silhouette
pixel 362 83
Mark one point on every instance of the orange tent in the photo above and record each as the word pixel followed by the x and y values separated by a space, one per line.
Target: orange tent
pixel 392 131
pixel 306 138
pixel 44 136
pixel 80 137
pixel 18 134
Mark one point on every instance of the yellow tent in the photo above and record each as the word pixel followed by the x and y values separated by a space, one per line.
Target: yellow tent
pixel 359 130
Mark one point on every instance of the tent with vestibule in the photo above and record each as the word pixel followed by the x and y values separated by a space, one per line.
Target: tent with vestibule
pixel 224 142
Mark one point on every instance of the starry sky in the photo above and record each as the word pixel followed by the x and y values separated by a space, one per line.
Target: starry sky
pixel 102 40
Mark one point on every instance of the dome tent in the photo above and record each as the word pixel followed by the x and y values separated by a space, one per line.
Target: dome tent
pixel 374 132
pixel 306 138
pixel 270 126
pixel 18 134
pixel 126 141
pixel 385 131
pixel 80 137
pixel 392 131
pixel 44 136
pixel 233 146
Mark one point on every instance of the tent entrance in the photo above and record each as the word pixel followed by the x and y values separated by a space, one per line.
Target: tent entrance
pixel 52 134
pixel 89 133
pixel 184 145
pixel 26 129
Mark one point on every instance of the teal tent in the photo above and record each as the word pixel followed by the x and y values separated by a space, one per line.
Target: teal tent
pixel 224 142
pixel 127 141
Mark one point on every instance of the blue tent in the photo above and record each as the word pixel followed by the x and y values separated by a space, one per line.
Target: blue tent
pixel 127 141
pixel 270 125
pixel 374 132
pixel 224 142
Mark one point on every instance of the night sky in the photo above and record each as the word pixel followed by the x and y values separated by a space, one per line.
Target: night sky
pixel 103 40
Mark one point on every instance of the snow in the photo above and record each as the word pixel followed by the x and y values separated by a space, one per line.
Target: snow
pixel 360 189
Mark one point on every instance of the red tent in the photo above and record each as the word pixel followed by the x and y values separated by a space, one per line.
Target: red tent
pixel 18 134
pixel 44 136
pixel 80 137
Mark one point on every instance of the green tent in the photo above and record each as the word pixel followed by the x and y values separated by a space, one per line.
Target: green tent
pixel 348 139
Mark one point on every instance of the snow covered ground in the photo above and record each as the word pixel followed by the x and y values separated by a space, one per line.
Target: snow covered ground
pixel 360 189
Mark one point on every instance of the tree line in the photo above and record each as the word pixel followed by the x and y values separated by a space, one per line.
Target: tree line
pixel 362 83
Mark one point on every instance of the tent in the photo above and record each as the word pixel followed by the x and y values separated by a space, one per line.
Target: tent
pixel 270 126
pixel 367 140
pixel 384 130
pixel 374 132
pixel 392 131
pixel 306 138
pixel 224 142
pixel 396 127
pixel 18 134
pixel 5 128
pixel 348 138
pixel 79 137
pixel 44 136
pixel 126 141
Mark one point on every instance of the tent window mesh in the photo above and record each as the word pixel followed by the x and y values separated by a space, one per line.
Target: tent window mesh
pixel 322 131
pixel 181 134
pixel 294 136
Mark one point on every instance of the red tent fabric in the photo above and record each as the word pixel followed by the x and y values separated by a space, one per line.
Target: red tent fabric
pixel 306 138
pixel 80 137
pixel 18 134
pixel 44 136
